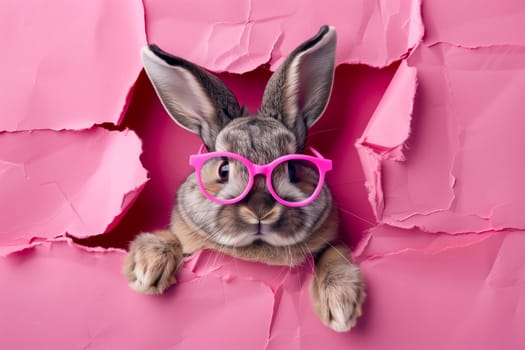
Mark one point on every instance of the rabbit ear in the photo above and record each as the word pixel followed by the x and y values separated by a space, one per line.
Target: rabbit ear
pixel 194 98
pixel 298 92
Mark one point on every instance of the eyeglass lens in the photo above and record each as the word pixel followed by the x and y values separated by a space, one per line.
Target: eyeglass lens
pixel 295 180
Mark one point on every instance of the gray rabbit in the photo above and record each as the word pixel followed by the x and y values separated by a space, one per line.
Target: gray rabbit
pixel 256 226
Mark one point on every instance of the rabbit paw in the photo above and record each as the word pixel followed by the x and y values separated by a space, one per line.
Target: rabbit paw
pixel 338 294
pixel 152 261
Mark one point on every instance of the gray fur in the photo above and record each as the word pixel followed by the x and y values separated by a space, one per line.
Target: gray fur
pixel 294 99
pixel 203 109
pixel 298 92
pixel 261 140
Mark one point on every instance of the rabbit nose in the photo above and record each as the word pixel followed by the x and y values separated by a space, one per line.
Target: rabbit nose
pixel 260 204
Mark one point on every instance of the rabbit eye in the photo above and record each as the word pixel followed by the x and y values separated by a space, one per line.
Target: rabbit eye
pixel 292 174
pixel 224 170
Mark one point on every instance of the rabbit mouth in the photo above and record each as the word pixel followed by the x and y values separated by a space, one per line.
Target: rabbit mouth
pixel 259 229
pixel 265 234
pixel 262 229
pixel 261 233
pixel 277 240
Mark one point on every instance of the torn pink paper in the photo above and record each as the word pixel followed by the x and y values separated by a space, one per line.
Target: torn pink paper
pixel 58 182
pixel 445 158
pixel 267 307
pixel 468 296
pixel 375 146
pixel 471 23
pixel 98 310
pixel 384 240
pixel 398 97
pixel 243 34
pixel 68 64
pixel 460 170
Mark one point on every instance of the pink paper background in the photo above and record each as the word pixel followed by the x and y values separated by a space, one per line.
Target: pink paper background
pixel 425 128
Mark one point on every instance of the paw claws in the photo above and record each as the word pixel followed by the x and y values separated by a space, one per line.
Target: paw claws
pixel 151 263
pixel 338 299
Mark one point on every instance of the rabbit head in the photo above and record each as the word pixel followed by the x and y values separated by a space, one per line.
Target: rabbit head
pixel 294 99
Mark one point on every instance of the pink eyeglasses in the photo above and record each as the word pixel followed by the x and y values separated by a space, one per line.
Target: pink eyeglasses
pixel 293 180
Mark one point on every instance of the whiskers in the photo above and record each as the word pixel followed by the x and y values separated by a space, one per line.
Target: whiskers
pixel 331 245
pixel 205 230
pixel 351 213
pixel 323 131
pixel 288 256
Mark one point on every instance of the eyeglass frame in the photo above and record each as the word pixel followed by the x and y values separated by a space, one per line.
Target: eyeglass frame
pixel 323 166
